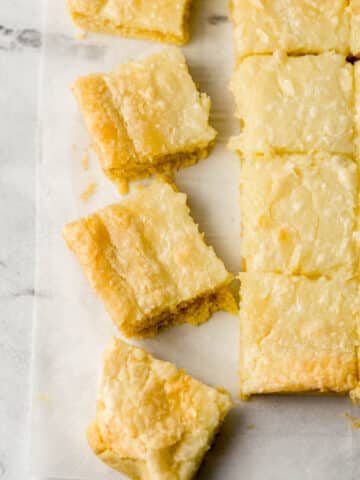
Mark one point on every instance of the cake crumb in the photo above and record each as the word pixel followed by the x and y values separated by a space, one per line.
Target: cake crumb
pixel 85 160
pixel 81 35
pixel 88 192
pixel 123 187
pixel 139 187
pixel 355 422
pixel 44 398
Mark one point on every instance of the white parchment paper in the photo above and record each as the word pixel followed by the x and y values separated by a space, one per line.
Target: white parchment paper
pixel 275 437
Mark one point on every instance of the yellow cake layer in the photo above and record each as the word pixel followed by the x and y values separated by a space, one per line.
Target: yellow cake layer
pixel 146 259
pixel 161 20
pixel 144 114
pixel 294 26
pixel 294 104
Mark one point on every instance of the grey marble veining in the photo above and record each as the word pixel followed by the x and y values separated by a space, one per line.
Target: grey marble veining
pixel 12 39
pixel 20 42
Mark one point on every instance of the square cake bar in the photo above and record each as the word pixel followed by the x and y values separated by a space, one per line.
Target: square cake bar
pixel 153 420
pixel 298 334
pixel 162 20
pixel 148 262
pixel 146 117
pixel 299 214
pixel 293 26
pixel 294 104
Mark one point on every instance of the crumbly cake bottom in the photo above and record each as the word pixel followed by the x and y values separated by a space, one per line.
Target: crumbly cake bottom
pixel 195 312
pixel 165 164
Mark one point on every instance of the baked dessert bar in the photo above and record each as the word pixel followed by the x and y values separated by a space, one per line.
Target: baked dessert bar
pixel 298 334
pixel 294 104
pixel 355 27
pixel 293 26
pixel 146 117
pixel 162 20
pixel 298 213
pixel 148 262
pixel 153 420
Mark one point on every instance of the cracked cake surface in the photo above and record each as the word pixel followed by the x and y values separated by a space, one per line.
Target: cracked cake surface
pixel 152 419
pixel 146 117
pixel 148 262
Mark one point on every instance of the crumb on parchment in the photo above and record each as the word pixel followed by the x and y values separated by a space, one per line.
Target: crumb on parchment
pixel 355 422
pixel 123 187
pixel 88 192
pixel 85 160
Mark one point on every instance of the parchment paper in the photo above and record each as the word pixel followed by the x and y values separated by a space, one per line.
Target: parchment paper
pixel 275 437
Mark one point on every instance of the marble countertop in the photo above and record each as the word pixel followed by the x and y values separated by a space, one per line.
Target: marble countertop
pixel 20 42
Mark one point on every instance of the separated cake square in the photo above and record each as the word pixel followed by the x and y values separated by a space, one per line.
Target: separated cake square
pixel 146 117
pixel 149 263
pixel 162 20
pixel 293 26
pixel 298 213
pixel 153 420
pixel 294 104
pixel 298 334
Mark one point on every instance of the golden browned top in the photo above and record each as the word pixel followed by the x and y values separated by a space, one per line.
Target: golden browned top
pixel 355 26
pixel 145 255
pixel 144 112
pixel 298 333
pixel 311 95
pixel 295 26
pixel 162 109
pixel 150 411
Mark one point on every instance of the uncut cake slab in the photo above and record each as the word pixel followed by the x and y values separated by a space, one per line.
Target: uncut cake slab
pixel 308 436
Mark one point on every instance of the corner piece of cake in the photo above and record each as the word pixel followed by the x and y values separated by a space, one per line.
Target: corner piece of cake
pixel 161 20
pixel 148 262
pixel 153 420
pixel 293 26
pixel 294 104
pixel 146 117
pixel 299 334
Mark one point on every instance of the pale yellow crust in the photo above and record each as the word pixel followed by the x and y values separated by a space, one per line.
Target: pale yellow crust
pixel 293 26
pixel 148 262
pixel 161 20
pixel 298 214
pixel 298 334
pixel 355 27
pixel 146 117
pixel 311 95
pixel 153 420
